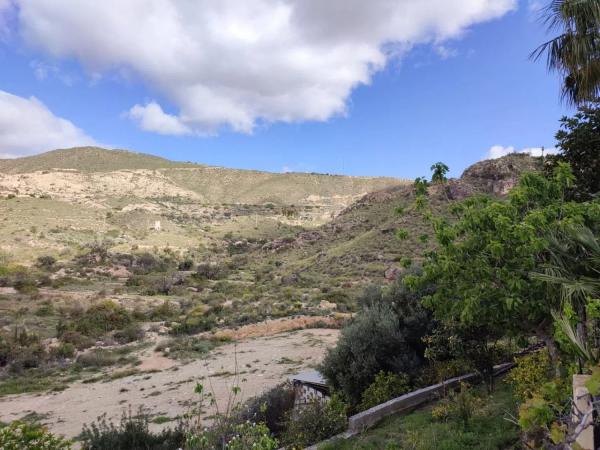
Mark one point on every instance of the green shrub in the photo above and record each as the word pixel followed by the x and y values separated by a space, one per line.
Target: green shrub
pixel 64 350
pixel 100 357
pixel 27 436
pixel 243 436
pixel 376 340
pixel 103 317
pixel 21 350
pixel 315 421
pixel 385 387
pixel 46 262
pixel 186 347
pixel 132 433
pixel 131 333
pixel 271 407
pixel 530 373
pixel 210 271
pixel 80 341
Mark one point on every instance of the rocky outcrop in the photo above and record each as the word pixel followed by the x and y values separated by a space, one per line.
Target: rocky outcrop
pixel 499 176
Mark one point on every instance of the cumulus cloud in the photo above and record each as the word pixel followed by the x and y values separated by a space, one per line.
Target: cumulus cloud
pixel 151 117
pixel 498 151
pixel 241 63
pixel 27 126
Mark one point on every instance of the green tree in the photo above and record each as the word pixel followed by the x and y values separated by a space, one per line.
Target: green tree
pixel 579 142
pixel 439 170
pixel 572 272
pixel 575 52
pixel 483 266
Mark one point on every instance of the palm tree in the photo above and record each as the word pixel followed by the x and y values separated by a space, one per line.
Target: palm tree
pixel 573 267
pixel 575 52
pixel 439 170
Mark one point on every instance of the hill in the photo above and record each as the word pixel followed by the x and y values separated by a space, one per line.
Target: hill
pixel 87 159
pixel 70 197
pixel 105 174
pixel 359 246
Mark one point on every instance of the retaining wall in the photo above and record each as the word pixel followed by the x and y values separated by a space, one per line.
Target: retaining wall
pixel 405 403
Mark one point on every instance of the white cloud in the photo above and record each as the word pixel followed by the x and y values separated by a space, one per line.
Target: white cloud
pixel 498 151
pixel 239 63
pixel 152 118
pixel 27 126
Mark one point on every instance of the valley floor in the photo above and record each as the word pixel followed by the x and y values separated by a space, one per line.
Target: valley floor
pixel 166 386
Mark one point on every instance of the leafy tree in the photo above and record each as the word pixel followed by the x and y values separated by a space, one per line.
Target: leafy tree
pixel 579 141
pixel 439 170
pixel 574 53
pixel 483 266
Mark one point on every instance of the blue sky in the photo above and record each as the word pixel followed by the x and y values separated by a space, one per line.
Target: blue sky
pixel 450 97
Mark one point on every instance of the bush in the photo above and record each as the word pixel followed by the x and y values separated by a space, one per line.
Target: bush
pixel 132 433
pixel 244 436
pixel 80 341
pixel 99 358
pixel 46 262
pixel 385 387
pixel 316 421
pixel 531 372
pixel 64 350
pixel 271 407
pixel 21 350
pixel 376 340
pixel 102 318
pixel 26 436
pixel 210 271
pixel 129 334
pixel 186 347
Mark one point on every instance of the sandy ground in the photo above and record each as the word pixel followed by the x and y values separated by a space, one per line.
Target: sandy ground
pixel 262 362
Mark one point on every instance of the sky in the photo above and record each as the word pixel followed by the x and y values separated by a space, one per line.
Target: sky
pixel 384 87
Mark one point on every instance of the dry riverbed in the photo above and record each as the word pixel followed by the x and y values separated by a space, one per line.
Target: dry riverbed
pixel 165 386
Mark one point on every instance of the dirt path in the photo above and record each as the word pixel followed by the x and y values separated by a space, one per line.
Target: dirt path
pixel 262 362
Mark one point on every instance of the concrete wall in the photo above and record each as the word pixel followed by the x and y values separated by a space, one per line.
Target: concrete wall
pixel 405 403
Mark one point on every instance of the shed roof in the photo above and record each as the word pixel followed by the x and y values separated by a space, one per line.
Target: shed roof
pixel 309 377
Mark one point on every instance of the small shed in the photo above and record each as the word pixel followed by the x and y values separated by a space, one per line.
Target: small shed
pixel 308 385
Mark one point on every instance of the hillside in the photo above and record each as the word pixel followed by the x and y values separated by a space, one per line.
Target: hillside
pixel 359 246
pixel 90 171
pixel 87 159
pixel 74 196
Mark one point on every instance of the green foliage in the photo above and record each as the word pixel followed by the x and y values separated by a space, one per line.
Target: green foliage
pixel 187 347
pixel 271 407
pixel 27 436
pixel 420 186
pixel 46 262
pixel 131 433
pixel 530 373
pixel 103 317
pixel 385 387
pixel 385 336
pixel 580 147
pixel 488 429
pixel 574 52
pixel 542 413
pixel 315 421
pixel 483 266
pixel 21 350
pixel 439 170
